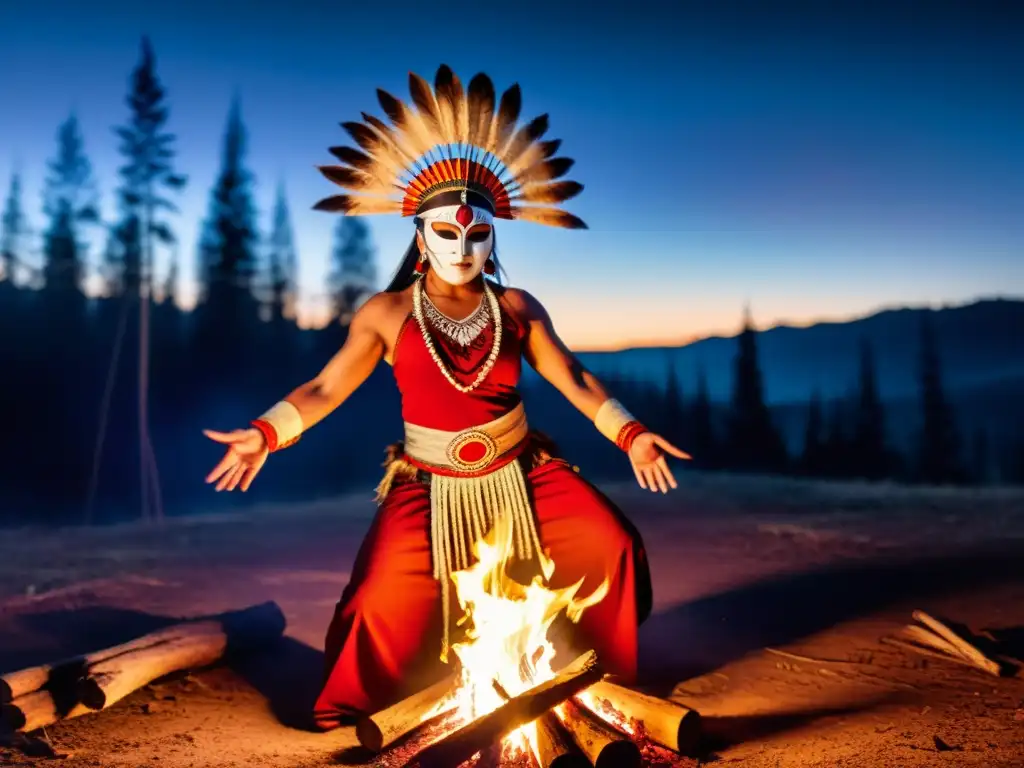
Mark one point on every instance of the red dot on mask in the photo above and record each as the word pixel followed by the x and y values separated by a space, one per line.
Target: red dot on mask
pixel 464 215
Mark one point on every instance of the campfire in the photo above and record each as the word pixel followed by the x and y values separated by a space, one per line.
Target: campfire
pixel 506 705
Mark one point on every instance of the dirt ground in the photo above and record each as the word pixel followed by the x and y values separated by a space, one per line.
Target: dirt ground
pixel 748 574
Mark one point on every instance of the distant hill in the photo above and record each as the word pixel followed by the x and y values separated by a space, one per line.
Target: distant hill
pixel 980 343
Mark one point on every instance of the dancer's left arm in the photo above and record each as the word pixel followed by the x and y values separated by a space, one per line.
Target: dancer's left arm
pixel 553 360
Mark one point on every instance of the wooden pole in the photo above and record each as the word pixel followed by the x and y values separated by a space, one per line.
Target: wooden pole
pixel 380 730
pixel 487 730
pixel 665 722
pixel 603 745
pixel 556 749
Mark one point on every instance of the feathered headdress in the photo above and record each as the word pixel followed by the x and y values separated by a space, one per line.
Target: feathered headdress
pixel 451 139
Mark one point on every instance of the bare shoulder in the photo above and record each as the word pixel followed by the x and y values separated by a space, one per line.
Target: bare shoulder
pixel 381 310
pixel 380 313
pixel 524 305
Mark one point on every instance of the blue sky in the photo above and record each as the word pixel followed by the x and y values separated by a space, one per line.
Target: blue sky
pixel 813 162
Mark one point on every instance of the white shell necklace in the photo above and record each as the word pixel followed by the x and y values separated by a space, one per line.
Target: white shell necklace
pixel 463 332
pixel 492 358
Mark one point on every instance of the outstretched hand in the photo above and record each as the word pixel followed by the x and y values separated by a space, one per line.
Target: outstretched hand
pixel 246 455
pixel 647 455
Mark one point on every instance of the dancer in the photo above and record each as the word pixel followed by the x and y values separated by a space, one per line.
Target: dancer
pixel 455 338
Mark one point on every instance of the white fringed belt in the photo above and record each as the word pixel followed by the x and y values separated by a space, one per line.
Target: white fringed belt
pixel 475 480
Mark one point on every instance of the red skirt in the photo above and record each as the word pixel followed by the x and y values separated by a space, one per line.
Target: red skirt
pixel 385 638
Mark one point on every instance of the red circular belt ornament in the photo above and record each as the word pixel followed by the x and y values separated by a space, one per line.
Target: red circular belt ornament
pixel 472 450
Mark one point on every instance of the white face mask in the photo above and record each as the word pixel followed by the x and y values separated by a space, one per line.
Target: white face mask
pixel 459 240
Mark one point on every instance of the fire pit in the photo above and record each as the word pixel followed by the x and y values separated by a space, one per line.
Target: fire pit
pixel 575 718
pixel 506 706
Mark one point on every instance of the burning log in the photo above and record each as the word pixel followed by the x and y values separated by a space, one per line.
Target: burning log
pixel 664 722
pixel 119 671
pixel 604 746
pixel 491 728
pixel 384 728
pixel 556 749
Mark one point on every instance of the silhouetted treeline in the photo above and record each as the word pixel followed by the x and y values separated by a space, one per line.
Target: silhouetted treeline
pixel 845 438
pixel 104 398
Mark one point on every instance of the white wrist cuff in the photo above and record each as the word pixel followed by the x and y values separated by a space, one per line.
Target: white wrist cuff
pixel 611 417
pixel 286 421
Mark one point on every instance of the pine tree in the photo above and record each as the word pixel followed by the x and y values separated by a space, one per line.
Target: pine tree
pixel 170 286
pixel 282 262
pixel 939 460
pixel 229 259
pixel 13 231
pixel 148 150
pixel 354 273
pixel 811 460
pixel 754 443
pixel 870 452
pixel 836 448
pixel 702 432
pixel 146 176
pixel 70 198
pixel 673 414
pixel 980 458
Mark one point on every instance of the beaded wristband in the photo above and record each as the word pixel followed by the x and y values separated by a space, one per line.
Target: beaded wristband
pixel 629 433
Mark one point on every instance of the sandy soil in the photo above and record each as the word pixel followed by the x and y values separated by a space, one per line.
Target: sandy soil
pixel 743 568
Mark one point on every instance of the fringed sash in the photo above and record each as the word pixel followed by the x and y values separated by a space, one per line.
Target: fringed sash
pixel 475 479
pixel 462 511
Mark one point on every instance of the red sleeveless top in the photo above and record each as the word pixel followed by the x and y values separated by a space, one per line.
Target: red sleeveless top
pixel 429 399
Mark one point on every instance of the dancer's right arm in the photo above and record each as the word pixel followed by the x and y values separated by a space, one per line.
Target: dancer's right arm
pixel 247 449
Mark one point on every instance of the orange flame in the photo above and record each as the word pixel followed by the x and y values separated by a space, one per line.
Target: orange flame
pixel 507 625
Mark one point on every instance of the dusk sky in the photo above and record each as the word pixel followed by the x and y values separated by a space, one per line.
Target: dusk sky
pixel 814 163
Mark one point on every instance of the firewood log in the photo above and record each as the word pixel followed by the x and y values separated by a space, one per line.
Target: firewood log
pixel 67 672
pixel 962 646
pixel 556 748
pixel 16 684
pixel 197 644
pixel 928 651
pixel 665 722
pixel 126 668
pixel 458 747
pixel 380 730
pixel 604 746
pixel 36 709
